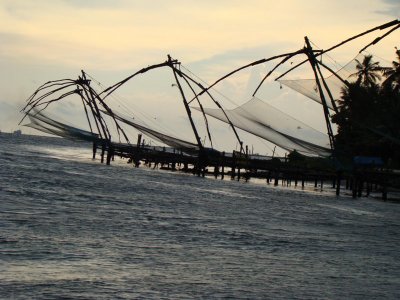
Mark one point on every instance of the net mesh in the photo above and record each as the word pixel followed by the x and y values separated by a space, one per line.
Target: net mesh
pixel 308 87
pixel 169 140
pixel 46 124
pixel 271 124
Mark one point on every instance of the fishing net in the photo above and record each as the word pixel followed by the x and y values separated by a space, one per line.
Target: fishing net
pixel 171 141
pixel 308 87
pixel 46 124
pixel 271 124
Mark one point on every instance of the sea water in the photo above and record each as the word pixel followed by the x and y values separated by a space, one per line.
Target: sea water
pixel 73 228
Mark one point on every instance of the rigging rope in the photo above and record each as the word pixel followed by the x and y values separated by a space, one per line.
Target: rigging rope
pixel 138 112
pixel 265 143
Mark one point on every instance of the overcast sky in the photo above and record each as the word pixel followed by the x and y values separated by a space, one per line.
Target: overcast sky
pixel 43 40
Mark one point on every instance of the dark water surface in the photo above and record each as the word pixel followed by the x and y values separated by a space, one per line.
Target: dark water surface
pixel 73 228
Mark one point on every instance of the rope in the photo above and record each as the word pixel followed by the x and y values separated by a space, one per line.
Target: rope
pixel 144 116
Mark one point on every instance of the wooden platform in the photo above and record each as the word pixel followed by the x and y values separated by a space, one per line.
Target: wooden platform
pixel 275 170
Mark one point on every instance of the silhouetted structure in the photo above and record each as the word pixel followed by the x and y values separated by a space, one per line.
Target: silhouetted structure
pixel 181 152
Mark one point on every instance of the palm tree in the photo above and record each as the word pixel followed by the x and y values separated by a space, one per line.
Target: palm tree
pixel 367 71
pixel 393 74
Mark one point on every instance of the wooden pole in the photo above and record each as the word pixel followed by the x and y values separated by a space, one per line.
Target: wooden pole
pixel 223 165
pixel 103 149
pixel 110 153
pixel 137 152
pixel 338 178
pixel 311 57
pixel 233 165
pixel 94 149
pixel 384 192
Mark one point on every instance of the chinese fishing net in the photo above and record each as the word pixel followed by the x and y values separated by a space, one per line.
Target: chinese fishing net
pixel 308 87
pixel 271 124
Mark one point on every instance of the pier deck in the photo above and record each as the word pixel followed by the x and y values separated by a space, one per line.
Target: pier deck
pixel 360 181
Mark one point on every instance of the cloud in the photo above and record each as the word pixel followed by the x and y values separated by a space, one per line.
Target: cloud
pixel 113 34
pixel 246 54
pixel 392 9
pixel 95 4
pixel 225 61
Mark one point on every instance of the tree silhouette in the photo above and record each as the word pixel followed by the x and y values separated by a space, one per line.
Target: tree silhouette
pixel 359 110
pixel 368 72
pixel 393 74
pixel 368 114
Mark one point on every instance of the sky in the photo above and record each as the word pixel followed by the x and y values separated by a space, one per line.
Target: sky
pixel 44 40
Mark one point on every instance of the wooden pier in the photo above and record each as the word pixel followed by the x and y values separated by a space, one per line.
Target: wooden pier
pixel 238 166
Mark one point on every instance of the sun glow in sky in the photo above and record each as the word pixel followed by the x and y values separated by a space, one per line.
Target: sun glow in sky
pixel 44 40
